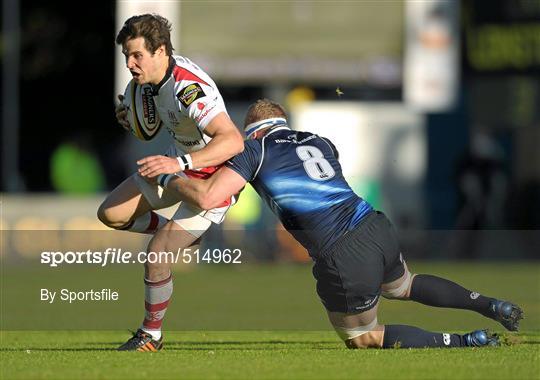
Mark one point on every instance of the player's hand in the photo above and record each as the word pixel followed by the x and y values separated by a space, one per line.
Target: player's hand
pixel 152 166
pixel 121 114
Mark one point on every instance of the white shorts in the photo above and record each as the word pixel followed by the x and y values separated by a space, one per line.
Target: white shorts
pixel 191 218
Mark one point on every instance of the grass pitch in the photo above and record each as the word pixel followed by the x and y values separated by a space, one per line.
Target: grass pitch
pixel 253 355
pixel 280 354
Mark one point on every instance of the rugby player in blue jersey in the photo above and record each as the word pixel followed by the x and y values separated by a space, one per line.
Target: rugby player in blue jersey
pixel 354 247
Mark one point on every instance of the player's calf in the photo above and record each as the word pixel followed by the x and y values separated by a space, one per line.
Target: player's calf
pixel 402 336
pixel 439 292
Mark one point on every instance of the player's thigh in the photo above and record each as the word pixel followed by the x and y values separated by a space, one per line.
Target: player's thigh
pixel 385 237
pixel 349 279
pixel 184 230
pixel 193 220
pixel 134 197
pixel 350 325
pixel 397 278
pixel 358 330
pixel 124 203
pixel 399 288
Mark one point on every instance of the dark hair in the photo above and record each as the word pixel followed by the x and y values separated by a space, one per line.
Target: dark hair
pixel 155 30
pixel 264 109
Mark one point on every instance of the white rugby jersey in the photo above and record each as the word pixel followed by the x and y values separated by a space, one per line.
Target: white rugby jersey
pixel 187 99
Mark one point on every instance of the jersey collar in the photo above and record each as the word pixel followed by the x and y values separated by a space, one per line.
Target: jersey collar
pixel 278 128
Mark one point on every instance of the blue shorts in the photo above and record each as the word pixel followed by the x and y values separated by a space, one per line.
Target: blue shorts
pixel 349 275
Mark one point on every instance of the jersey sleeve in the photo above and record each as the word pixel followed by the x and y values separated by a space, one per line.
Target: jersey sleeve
pixel 198 99
pixel 332 146
pixel 247 163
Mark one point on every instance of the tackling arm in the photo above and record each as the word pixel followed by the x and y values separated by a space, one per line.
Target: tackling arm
pixel 208 193
pixel 226 142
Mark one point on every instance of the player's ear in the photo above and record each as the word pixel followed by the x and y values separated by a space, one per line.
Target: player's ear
pixel 160 50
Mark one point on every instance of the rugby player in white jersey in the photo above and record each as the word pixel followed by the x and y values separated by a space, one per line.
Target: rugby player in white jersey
pixel 192 109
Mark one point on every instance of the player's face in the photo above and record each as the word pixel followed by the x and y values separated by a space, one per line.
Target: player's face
pixel 144 66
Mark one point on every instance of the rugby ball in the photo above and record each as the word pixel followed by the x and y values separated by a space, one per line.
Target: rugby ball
pixel 142 114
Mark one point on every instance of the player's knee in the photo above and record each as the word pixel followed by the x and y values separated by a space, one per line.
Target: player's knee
pixel 165 240
pixel 395 294
pixel 108 216
pixel 399 291
pixel 370 339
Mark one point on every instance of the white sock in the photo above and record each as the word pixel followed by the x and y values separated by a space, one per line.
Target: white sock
pixel 156 334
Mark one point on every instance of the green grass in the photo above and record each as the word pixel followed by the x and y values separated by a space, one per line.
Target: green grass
pixel 277 328
pixel 253 355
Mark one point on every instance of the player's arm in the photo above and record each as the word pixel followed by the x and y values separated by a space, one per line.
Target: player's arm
pixel 226 142
pixel 202 104
pixel 208 193
pixel 224 183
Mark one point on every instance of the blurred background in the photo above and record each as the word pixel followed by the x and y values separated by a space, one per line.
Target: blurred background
pixel 434 106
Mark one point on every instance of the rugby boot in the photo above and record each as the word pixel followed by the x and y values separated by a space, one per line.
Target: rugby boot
pixel 480 338
pixel 143 342
pixel 506 313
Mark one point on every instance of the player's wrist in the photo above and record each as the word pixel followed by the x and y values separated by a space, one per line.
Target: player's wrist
pixel 185 162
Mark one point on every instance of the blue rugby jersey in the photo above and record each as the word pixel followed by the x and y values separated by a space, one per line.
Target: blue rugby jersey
pixel 299 177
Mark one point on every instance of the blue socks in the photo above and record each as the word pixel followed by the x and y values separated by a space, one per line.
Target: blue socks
pixel 439 292
pixel 401 336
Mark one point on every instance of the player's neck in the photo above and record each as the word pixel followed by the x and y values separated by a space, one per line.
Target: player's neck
pixel 163 71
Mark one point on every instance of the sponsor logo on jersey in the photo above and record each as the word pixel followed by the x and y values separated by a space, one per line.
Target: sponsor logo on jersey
pixel 149 107
pixel 292 139
pixel 204 114
pixel 201 105
pixel 187 142
pixel 190 93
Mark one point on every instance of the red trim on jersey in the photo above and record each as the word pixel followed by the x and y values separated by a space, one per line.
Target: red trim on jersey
pixel 156 306
pixel 183 74
pixel 206 173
